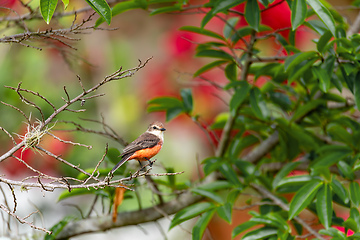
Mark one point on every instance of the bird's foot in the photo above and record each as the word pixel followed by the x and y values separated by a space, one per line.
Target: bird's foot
pixel 150 162
pixel 108 178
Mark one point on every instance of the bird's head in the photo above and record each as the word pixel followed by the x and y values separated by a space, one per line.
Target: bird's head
pixel 156 128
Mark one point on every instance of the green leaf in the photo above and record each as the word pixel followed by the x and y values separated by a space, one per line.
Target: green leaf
pixel 299 135
pixel 102 8
pixel 190 212
pixel 357 90
pixel 331 158
pixel 324 14
pixel 225 212
pixel 171 178
pixel 285 170
pixel 239 96
pixel 66 3
pixel 207 18
pixel 209 194
pixel 229 173
pixel 216 185
pixel 304 109
pixel 271 219
pixel 173 113
pixel 246 168
pixel 346 170
pixel 58 227
pixel 324 78
pixel 229 27
pixel 278 221
pixel 224 5
pixel 186 95
pixel 323 40
pixel 258 104
pixel 316 25
pixel 242 227
pixel 47 9
pixel 239 143
pixel 354 214
pixel 75 192
pixel 120 8
pixel 175 8
pixel 340 191
pixel 355 193
pixel 324 206
pixel 281 99
pixel 293 61
pixel 303 197
pixel 209 66
pixel 233 196
pixel 252 14
pixel 230 71
pixel 211 164
pixel 339 133
pixel 247 30
pixel 353 222
pixel 201 224
pixel 302 71
pixel 261 233
pixel 214 54
pixel 293 184
pixel 333 232
pixel 298 13
pixel 202 31
pixel 113 155
pixel 172 106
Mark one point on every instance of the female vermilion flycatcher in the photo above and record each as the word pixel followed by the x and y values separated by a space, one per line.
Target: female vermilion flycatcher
pixel 145 146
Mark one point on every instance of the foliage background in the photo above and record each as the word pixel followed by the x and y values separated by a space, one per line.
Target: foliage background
pixel 99 53
pixel 124 107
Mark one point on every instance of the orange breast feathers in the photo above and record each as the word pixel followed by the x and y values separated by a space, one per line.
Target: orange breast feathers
pixel 147 153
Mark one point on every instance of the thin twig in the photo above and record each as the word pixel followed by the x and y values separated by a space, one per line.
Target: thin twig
pixel 69 142
pixel 17 109
pixel 22 220
pixel 4 130
pixel 98 164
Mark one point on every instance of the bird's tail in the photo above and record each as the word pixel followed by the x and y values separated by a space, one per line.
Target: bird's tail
pixel 122 161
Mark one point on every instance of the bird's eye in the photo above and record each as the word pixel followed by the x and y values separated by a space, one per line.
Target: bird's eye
pixel 154 127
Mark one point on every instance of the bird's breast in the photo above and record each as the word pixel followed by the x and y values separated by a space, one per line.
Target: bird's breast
pixel 146 153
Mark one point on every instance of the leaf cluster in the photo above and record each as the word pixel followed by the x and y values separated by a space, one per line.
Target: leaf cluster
pixel 301 101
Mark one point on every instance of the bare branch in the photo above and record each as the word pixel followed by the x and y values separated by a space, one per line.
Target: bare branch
pixel 33 93
pixel 22 220
pixel 65 162
pixel 17 109
pixel 27 101
pixel 4 130
pixel 67 94
pixel 69 142
pixel 97 165
pixel 115 76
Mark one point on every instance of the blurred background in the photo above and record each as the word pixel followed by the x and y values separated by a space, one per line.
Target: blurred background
pixel 99 53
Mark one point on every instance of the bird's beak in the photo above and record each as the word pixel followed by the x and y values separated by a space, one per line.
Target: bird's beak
pixel 162 129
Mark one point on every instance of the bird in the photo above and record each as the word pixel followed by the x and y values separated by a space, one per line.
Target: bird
pixel 146 146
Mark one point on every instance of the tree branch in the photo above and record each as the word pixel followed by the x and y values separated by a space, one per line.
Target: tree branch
pixel 104 223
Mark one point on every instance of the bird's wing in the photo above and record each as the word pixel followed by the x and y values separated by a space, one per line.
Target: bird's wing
pixel 145 140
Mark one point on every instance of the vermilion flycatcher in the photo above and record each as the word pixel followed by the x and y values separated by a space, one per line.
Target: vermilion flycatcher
pixel 145 146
